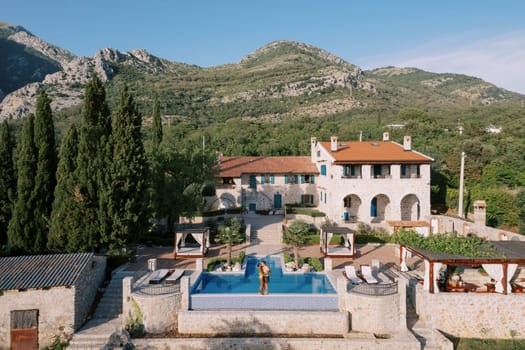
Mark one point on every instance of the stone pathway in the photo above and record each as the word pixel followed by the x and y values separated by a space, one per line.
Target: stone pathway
pixel 107 318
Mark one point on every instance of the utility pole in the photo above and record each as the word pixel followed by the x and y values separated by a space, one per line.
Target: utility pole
pixel 461 175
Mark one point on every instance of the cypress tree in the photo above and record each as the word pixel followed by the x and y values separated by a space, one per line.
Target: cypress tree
pixel 94 133
pixel 22 223
pixel 156 135
pixel 45 181
pixel 156 186
pixel 64 231
pixel 7 180
pixel 125 183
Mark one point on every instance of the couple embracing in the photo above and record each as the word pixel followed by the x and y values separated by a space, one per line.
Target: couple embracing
pixel 264 277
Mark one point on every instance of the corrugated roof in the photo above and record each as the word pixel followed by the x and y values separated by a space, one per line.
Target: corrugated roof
pixel 375 152
pixel 236 166
pixel 42 271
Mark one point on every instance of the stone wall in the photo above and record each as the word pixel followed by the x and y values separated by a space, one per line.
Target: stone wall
pixel 56 308
pixel 263 322
pixel 462 226
pixel 472 315
pixel 159 311
pixel 374 314
pixel 86 288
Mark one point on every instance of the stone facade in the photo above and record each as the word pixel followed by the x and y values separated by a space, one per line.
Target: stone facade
pixel 262 197
pixel 472 315
pixel 347 195
pixel 61 310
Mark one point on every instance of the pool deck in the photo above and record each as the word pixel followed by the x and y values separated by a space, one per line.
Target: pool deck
pixel 385 253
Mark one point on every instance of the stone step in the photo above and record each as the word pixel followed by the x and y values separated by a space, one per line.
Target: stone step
pixel 432 339
pixel 254 343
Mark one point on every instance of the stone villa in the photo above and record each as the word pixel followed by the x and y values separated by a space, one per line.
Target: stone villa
pixel 383 182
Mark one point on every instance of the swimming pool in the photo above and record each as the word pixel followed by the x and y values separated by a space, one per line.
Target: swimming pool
pixel 248 283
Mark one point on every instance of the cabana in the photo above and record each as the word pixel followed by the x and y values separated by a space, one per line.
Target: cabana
pixel 201 236
pixel 345 251
pixel 501 269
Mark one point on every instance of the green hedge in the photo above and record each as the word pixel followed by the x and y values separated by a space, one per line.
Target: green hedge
pixel 212 264
pixel 237 210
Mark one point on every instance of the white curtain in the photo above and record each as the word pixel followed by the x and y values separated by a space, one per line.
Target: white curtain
pixel 404 266
pixel 511 269
pixel 197 237
pixel 329 236
pixel 178 238
pixel 495 272
pixel 347 240
pixel 426 282
pixel 183 243
pixel 437 267
pixel 321 240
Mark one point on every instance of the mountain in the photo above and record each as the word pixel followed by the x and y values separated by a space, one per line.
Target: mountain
pixel 281 80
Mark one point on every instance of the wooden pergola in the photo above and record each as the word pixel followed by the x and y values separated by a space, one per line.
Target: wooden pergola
pixel 201 236
pixel 345 251
pixel 513 253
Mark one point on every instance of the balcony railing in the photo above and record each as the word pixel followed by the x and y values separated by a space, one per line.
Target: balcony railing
pixel 377 290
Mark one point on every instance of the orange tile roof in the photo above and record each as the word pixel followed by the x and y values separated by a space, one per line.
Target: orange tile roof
pixel 374 152
pixel 236 166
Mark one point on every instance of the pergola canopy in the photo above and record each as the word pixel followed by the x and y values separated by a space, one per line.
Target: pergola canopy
pixel 501 268
pixel 348 250
pixel 201 236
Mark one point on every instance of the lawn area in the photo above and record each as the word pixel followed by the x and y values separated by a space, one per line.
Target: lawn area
pixel 489 344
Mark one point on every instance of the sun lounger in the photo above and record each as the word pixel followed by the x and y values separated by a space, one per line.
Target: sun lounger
pixel 158 275
pixel 351 274
pixel 366 271
pixel 174 277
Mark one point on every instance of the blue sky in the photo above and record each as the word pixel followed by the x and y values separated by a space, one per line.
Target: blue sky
pixel 475 37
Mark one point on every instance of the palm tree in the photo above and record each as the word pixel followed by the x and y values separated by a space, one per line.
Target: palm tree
pixel 230 234
pixel 296 235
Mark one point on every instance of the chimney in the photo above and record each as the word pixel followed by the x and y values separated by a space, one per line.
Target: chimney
pixel 407 143
pixel 313 148
pixel 333 143
pixel 386 136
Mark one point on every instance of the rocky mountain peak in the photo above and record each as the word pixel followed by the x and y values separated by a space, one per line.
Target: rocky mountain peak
pixel 26 38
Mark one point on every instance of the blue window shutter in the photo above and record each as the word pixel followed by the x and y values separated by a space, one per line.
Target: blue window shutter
pixel 312 180
pixel 302 199
pixel 286 179
pixel 295 179
pixel 262 179
pixel 403 170
pixel 272 179
pixel 302 179
pixel 323 170
pixel 253 181
pixel 352 170
pixel 311 199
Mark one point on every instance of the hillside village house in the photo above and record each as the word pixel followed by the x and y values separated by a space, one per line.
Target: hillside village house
pixel 383 182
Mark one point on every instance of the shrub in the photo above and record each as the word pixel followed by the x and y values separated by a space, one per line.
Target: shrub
pixel 315 262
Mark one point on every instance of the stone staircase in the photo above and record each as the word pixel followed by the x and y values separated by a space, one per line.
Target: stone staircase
pixel 429 338
pixel 106 320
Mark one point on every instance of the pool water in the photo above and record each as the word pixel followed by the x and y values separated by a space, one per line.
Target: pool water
pixel 296 283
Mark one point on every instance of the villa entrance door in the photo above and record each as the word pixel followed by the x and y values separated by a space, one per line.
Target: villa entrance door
pixel 277 201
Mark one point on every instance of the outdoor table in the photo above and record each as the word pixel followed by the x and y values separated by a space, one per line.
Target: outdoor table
pixel 465 287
